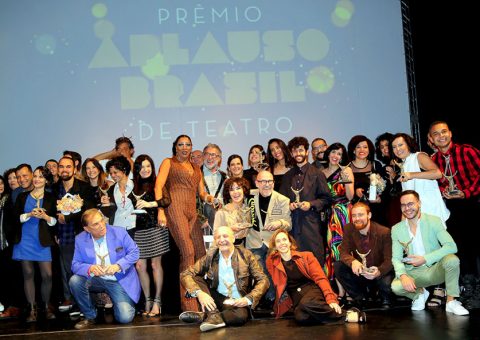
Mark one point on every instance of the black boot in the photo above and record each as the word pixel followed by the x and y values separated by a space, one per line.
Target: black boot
pixel 49 312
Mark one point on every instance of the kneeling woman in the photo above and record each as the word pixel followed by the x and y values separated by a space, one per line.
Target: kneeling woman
pixel 300 283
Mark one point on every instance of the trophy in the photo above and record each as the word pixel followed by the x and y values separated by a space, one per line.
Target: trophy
pixel 297 195
pixel 244 221
pixel 230 300
pixel 364 261
pixel 104 192
pixel 344 177
pixel 38 200
pixel 137 198
pixel 400 166
pixel 452 187
pixel 405 249
pixel 102 259
pixel 261 166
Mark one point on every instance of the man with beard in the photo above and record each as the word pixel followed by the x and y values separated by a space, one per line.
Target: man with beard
pixel 430 256
pixel 69 225
pixel 366 237
pixel 222 282
pixel 306 187
pixel 213 178
pixel 272 212
pixel 319 146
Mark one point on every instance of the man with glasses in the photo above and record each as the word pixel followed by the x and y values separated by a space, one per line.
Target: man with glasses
pixel 272 212
pixel 423 254
pixel 213 178
pixel 104 261
pixel 319 146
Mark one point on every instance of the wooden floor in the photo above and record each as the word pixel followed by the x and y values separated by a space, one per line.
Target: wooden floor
pixel 398 323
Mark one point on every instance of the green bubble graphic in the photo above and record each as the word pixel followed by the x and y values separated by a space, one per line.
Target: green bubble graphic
pixel 155 67
pixel 99 10
pixel 320 79
pixel 45 44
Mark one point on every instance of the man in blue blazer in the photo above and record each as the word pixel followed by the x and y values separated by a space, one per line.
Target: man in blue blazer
pixel 104 261
pixel 423 254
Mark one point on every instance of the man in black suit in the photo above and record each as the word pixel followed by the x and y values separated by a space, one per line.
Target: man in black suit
pixel 307 189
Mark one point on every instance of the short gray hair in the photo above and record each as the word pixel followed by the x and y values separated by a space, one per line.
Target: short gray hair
pixel 213 145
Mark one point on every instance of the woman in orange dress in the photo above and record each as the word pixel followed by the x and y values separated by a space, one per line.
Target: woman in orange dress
pixel 183 180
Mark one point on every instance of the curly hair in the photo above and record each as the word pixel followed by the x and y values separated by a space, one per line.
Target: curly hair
pixel 240 181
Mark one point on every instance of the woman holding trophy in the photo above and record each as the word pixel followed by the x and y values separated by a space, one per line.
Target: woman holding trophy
pixel 340 182
pixel 34 237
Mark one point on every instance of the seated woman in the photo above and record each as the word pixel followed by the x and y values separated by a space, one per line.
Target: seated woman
pixel 300 283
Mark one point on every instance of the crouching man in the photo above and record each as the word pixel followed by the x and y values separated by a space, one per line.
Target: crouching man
pixel 226 294
pixel 104 261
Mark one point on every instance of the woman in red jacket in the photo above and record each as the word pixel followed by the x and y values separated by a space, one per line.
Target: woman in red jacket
pixel 300 283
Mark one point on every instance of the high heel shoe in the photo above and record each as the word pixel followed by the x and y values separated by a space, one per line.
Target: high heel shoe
pixel 32 315
pixel 157 301
pixel 148 306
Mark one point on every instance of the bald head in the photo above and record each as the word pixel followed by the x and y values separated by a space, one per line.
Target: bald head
pixel 264 183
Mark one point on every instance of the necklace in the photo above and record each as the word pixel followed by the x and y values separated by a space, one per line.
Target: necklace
pixel 366 164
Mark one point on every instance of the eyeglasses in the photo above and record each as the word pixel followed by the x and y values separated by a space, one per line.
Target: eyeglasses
pixel 265 181
pixel 409 205
pixel 213 155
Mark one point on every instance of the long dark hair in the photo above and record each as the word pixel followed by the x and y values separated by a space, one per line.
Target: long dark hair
pixel 6 187
pixel 384 136
pixel 46 174
pixel 288 157
pixel 142 185
pixel 354 141
pixel 337 146
pixel 102 176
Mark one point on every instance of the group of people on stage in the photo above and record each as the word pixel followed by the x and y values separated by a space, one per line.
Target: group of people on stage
pixel 358 222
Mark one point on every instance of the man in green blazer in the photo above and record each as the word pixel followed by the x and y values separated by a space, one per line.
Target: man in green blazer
pixel 423 254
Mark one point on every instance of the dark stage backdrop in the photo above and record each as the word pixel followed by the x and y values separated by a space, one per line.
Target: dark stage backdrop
pixel 78 74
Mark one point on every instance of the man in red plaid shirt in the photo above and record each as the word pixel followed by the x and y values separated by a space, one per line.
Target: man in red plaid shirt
pixel 461 164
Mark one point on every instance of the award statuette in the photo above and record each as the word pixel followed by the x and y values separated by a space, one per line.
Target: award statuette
pixel 452 187
pixel 405 249
pixel 297 194
pixel 230 300
pixel 104 191
pixel 344 177
pixel 364 261
pixel 137 198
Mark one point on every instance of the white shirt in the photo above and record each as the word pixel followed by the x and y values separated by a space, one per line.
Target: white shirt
pixel 417 242
pixel 123 214
pixel 226 276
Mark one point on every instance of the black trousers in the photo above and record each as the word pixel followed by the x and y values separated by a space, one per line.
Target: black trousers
pixel 232 316
pixel 358 286
pixel 310 308
pixel 11 284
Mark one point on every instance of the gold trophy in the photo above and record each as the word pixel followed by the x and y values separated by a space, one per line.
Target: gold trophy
pixel 405 250
pixel 364 261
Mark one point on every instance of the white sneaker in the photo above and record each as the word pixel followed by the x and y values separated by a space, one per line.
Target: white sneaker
pixel 2 308
pixel 456 308
pixel 419 302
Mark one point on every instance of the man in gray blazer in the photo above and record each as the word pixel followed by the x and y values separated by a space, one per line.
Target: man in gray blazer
pixel 271 212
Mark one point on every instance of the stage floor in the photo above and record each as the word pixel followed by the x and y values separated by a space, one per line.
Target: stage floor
pixel 398 323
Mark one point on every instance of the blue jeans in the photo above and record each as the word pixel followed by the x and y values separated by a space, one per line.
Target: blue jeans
pixel 81 287
pixel 261 255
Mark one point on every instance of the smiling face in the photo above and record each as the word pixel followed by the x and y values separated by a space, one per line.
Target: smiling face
pixel 300 155
pixel 255 156
pixel 92 171
pixel 66 168
pixel 282 243
pixel 224 239
pixel 441 136
pixel 236 194
pixel 361 217
pixel 146 170
pixel 318 149
pixel 197 157
pixel 384 148
pixel 361 151
pixel 96 226
pixel 236 167
pixel 53 167
pixel 24 177
pixel 38 180
pixel 264 182
pixel 400 148
pixel 211 158
pixel 276 151
pixel 410 206
pixel 335 157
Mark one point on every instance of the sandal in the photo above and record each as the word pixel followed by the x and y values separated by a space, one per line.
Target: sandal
pixel 157 301
pixel 438 298
pixel 148 306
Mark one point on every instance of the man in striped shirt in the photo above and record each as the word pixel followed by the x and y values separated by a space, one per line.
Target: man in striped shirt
pixel 460 186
